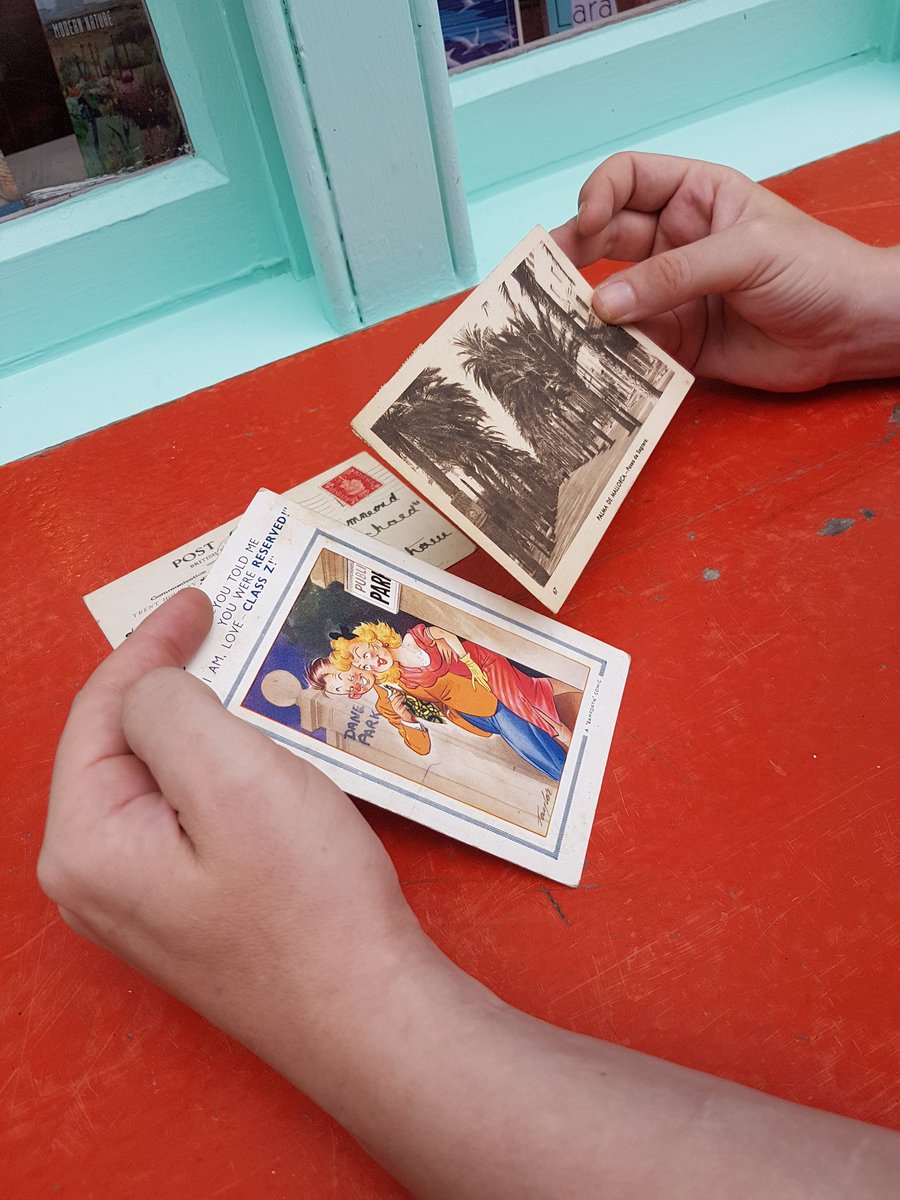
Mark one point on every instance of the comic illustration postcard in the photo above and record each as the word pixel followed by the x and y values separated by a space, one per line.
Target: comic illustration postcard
pixel 412 689
pixel 361 493
pixel 526 419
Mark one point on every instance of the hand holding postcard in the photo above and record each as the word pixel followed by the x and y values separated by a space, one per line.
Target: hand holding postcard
pixel 412 689
pixel 526 419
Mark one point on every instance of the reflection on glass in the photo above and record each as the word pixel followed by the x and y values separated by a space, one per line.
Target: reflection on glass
pixel 478 30
pixel 84 96
pixel 10 198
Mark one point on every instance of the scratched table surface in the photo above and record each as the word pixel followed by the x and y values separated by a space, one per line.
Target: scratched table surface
pixel 739 907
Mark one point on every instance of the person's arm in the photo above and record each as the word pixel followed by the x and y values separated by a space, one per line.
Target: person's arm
pixel 732 280
pixel 282 921
pixel 448 644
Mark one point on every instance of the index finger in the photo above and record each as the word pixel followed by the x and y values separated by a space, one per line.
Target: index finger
pixel 635 205
pixel 167 638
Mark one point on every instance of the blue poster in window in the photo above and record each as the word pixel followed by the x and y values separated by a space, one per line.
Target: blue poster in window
pixel 476 29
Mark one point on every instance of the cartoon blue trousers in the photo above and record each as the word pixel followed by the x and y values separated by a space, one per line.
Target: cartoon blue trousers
pixel 534 745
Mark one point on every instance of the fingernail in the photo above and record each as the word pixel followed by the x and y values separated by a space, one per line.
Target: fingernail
pixel 614 301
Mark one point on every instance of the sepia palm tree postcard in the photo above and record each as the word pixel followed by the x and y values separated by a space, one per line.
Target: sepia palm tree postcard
pixel 413 689
pixel 525 419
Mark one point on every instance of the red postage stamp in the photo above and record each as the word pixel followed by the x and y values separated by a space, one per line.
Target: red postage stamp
pixel 351 486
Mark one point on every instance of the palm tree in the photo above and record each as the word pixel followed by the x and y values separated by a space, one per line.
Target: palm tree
pixel 561 346
pixel 506 366
pixel 623 356
pixel 510 376
pixel 545 302
pixel 528 367
pixel 438 425
pixel 611 343
pixel 447 427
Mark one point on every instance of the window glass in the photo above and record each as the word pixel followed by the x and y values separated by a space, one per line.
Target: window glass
pixel 84 97
pixel 476 31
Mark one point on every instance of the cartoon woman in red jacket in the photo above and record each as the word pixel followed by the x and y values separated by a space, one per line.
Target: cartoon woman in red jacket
pixel 428 654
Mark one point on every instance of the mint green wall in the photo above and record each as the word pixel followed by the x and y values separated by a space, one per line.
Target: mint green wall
pixel 620 82
pixel 321 118
pixel 762 85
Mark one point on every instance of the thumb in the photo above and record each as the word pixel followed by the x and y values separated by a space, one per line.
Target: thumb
pixel 723 262
pixel 215 769
pixel 168 637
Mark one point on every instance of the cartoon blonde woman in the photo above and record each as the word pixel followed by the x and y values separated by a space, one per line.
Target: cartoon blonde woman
pixel 486 690
pixel 378 648
pixel 427 652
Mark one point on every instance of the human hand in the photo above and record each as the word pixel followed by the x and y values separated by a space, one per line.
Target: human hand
pixel 479 679
pixel 443 648
pixel 398 703
pixel 231 872
pixel 242 880
pixel 733 281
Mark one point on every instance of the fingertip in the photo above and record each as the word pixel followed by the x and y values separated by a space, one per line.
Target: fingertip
pixel 192 603
pixel 592 217
pixel 180 623
pixel 596 206
pixel 565 236
pixel 199 608
pixel 168 637
pixel 614 301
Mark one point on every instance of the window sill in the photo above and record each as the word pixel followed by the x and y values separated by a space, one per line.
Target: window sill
pixel 157 361
pixel 765 136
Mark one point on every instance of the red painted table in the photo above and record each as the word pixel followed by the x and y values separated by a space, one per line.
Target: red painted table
pixel 739 909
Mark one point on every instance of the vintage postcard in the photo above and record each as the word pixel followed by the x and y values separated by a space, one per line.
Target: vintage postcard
pixel 361 493
pixel 526 419
pixel 413 689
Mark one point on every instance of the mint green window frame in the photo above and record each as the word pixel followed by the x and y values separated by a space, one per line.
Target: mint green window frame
pixel 162 237
pixel 334 159
pixel 271 155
